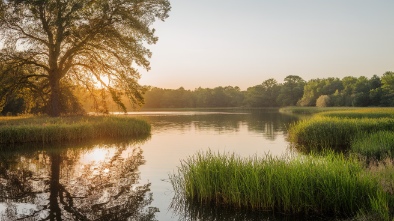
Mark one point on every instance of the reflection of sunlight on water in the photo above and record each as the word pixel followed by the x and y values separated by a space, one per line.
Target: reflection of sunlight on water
pixel 97 155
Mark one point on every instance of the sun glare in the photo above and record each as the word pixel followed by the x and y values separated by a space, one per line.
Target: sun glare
pixel 97 155
pixel 104 80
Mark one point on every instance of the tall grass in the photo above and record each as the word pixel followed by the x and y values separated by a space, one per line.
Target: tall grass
pixel 379 145
pixel 336 133
pixel 313 110
pixel 361 113
pixel 47 130
pixel 330 185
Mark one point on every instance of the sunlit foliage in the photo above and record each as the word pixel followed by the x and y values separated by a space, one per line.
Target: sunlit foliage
pixel 48 43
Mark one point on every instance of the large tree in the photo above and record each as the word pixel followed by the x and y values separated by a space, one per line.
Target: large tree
pixel 79 41
pixel 291 90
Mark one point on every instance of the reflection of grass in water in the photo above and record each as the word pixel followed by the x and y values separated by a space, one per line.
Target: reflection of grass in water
pixel 304 185
pixel 64 129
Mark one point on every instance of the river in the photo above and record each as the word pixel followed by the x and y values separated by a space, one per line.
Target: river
pixel 129 179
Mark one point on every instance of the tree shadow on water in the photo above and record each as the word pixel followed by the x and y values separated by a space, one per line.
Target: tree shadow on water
pixel 93 183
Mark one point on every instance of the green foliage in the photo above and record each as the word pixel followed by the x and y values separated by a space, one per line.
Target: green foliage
pixel 302 185
pixel 45 43
pixel 291 91
pixel 388 88
pixel 47 130
pixel 201 97
pixel 317 87
pixel 263 95
pixel 323 101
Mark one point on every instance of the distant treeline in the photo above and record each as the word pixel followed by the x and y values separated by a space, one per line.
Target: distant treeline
pixel 294 91
pixel 322 92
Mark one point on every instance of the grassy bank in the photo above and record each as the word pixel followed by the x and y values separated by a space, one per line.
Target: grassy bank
pixel 304 185
pixel 337 129
pixel 313 110
pixel 321 132
pixel 15 130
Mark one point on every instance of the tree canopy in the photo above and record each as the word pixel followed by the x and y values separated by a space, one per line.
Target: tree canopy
pixel 48 45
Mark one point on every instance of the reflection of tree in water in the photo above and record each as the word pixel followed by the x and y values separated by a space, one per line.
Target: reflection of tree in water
pixel 51 185
pixel 268 122
pixel 188 210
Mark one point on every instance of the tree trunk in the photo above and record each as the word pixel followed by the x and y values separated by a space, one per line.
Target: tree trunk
pixel 54 100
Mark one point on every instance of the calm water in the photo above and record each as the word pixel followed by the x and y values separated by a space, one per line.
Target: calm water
pixel 128 179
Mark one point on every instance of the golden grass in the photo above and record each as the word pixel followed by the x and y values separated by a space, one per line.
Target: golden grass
pixel 63 129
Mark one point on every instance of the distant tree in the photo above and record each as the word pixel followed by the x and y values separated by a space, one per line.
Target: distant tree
pixel 263 95
pixel 317 87
pixel 310 93
pixel 235 96
pixel 254 96
pixel 291 91
pixel 375 92
pixel 388 88
pixel 360 94
pixel 323 101
pixel 348 83
pixel 79 41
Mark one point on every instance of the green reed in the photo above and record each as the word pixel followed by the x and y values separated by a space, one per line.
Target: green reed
pixel 303 185
pixel 378 145
pixel 313 110
pixel 335 133
pixel 47 130
pixel 361 113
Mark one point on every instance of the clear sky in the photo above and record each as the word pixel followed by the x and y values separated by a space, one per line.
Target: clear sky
pixel 209 43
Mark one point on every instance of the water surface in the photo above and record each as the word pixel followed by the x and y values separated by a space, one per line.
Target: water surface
pixel 128 179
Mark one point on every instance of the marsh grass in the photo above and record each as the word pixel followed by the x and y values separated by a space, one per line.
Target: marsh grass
pixel 64 129
pixel 321 132
pixel 360 113
pixel 378 145
pixel 313 110
pixel 302 185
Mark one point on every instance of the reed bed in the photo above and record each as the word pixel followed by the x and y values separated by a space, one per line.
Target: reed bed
pixel 320 132
pixel 313 110
pixel 64 129
pixel 361 113
pixel 375 146
pixel 303 185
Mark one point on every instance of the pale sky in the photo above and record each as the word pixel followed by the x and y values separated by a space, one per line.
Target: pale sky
pixel 210 43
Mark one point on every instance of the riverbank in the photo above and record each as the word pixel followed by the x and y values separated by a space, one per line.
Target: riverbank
pixel 329 186
pixel 27 129
pixel 356 183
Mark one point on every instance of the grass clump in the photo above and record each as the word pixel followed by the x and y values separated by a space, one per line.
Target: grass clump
pixel 320 132
pixel 63 129
pixel 303 185
pixel 379 145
